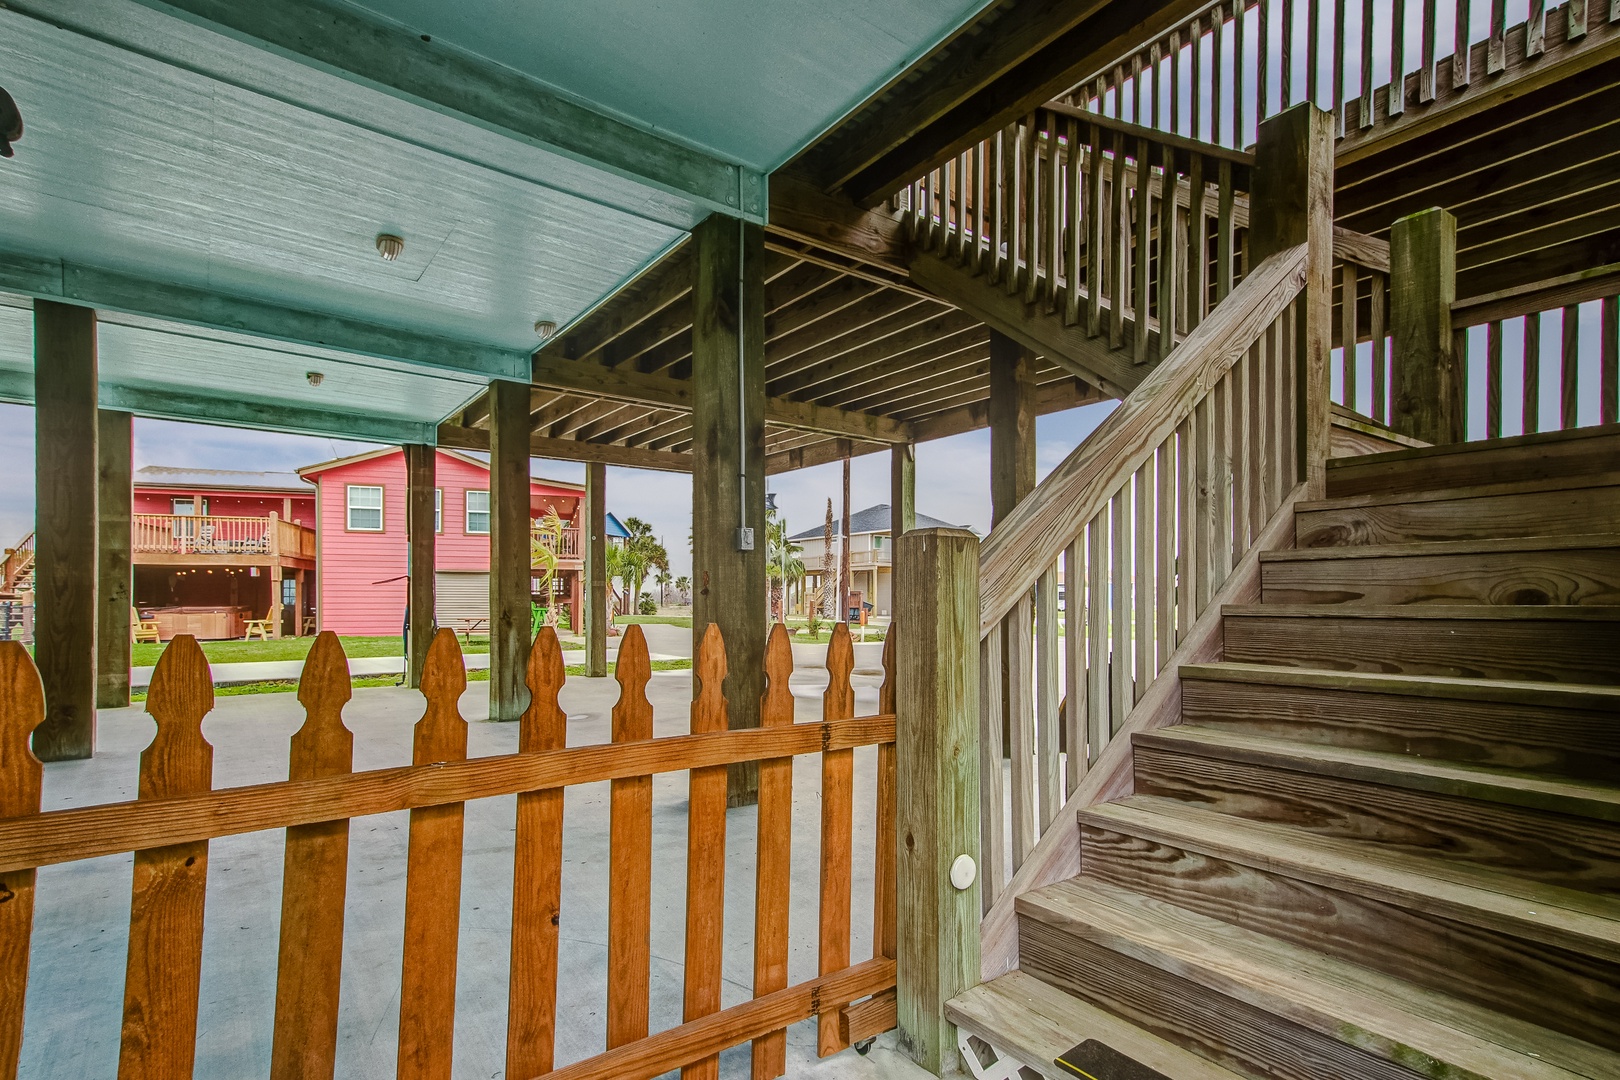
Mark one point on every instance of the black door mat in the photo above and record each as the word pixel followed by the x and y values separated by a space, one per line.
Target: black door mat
pixel 1098 1061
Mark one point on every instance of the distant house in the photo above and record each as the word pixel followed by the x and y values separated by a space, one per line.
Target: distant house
pixel 871 571
pixel 214 548
pixel 360 507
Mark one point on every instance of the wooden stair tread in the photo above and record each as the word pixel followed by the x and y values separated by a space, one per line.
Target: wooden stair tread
pixel 1584 922
pixel 1534 791
pixel 1554 695
pixel 1431 1033
pixel 1476 491
pixel 1576 542
pixel 1483 612
pixel 1589 450
pixel 1035 1021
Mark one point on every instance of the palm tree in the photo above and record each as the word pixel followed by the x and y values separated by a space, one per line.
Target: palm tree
pixel 782 564
pixel 683 585
pixel 643 553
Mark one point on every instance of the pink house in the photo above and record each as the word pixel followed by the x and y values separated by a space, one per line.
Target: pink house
pixel 360 515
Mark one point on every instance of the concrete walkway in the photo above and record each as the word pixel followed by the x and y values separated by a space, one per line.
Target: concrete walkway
pixel 82 909
pixel 661 645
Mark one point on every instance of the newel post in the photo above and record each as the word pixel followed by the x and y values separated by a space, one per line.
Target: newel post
pixel 1426 380
pixel 936 786
pixel 1292 204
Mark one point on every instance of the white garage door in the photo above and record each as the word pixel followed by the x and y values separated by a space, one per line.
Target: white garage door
pixel 460 594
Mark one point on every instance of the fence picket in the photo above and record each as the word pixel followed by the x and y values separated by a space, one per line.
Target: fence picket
pixel 427 994
pixel 314 878
pixel 774 863
pixel 164 969
pixel 837 827
pixel 531 1015
pixel 22 709
pixel 706 853
pixel 884 886
pixel 630 855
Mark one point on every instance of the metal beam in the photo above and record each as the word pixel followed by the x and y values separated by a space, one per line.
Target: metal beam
pixel 113 290
pixel 386 79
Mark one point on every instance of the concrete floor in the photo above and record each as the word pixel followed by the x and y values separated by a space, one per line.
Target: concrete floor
pixel 81 922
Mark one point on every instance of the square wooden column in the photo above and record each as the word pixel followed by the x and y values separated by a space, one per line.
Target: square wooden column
pixel 902 488
pixel 421 465
pixel 1428 401
pixel 509 558
pixel 728 465
pixel 1292 204
pixel 114 505
pixel 936 787
pixel 1012 425
pixel 66 426
pixel 596 581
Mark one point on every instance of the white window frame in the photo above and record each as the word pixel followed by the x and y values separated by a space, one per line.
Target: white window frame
pixel 349 508
pixel 467 501
pixel 438 510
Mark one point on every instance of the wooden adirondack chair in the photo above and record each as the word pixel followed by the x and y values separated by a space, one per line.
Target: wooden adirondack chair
pixel 142 630
pixel 260 627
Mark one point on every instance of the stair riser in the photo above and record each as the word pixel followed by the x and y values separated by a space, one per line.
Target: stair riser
pixel 1536 982
pixel 1243 1038
pixel 1568 651
pixel 1576 576
pixel 1535 513
pixel 1494 465
pixel 1564 742
pixel 1555 848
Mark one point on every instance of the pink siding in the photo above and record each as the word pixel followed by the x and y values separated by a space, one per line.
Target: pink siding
pixel 226 504
pixel 354 568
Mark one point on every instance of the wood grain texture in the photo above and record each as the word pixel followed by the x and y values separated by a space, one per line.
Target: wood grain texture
pixel 773 868
pixel 1550 645
pixel 837 826
pixel 630 855
pixel 421 466
pixel 509 556
pixel 22 709
pixel 1536 571
pixel 314 879
pixel 114 578
pixel 1543 456
pixel 883 857
pixel 427 993
pixel 1572 505
pixel 164 968
pixel 531 1011
pixel 706 854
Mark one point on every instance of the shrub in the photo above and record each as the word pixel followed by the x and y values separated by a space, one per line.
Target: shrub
pixel 648 605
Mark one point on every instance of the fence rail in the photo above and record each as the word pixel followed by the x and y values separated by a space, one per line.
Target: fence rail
pixel 177 813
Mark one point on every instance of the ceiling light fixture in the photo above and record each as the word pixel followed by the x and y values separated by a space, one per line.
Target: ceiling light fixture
pixel 315 377
pixel 389 246
pixel 544 329
pixel 11 125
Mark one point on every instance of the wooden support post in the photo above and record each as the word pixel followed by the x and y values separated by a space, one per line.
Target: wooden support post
pixel 728 465
pixel 509 529
pixel 596 582
pixel 902 488
pixel 937 785
pixel 844 582
pixel 1292 204
pixel 1427 399
pixel 114 505
pixel 1012 425
pixel 65 562
pixel 421 468
pixel 275 589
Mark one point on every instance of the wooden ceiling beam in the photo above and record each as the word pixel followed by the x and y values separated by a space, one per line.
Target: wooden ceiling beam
pixel 886 320
pixel 465 438
pixel 899 352
pixel 802 212
pixel 655 288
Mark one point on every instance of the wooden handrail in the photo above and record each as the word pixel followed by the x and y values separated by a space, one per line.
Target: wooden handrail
pixel 1044 524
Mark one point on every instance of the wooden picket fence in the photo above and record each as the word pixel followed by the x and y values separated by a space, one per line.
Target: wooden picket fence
pixel 177 813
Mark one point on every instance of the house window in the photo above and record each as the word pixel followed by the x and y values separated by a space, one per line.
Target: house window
pixel 877 541
pixel 438 510
pixel 478 512
pixel 365 507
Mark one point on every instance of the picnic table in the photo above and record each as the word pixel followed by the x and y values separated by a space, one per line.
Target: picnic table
pixel 468 625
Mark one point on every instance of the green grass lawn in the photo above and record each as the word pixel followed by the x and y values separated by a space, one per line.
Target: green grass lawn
pixel 661 620
pixel 802 636
pixel 287 686
pixel 241 652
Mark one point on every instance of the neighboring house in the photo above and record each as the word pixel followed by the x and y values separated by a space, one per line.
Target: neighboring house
pixel 870 556
pixel 363 549
pixel 214 548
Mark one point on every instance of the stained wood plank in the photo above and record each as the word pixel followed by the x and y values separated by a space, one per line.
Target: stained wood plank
pixel 630 855
pixel 427 994
pixel 1525 457
pixel 884 868
pixel 22 709
pixel 531 1011
pixel 314 878
pixel 164 968
pixel 837 833
pixel 773 868
pixel 706 854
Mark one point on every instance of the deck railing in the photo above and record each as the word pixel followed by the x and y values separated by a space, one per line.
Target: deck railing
pixel 214 534
pixel 17 562
pixel 178 812
pixel 1232 65
pixel 567 547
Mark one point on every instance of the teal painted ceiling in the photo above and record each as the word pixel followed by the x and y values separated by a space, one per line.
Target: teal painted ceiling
pixel 754 81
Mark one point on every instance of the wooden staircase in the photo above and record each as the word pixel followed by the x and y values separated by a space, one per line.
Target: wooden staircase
pixel 1384 840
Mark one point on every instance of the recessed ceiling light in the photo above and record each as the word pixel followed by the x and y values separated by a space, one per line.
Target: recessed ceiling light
pixel 389 246
pixel 544 328
pixel 11 125
pixel 315 377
